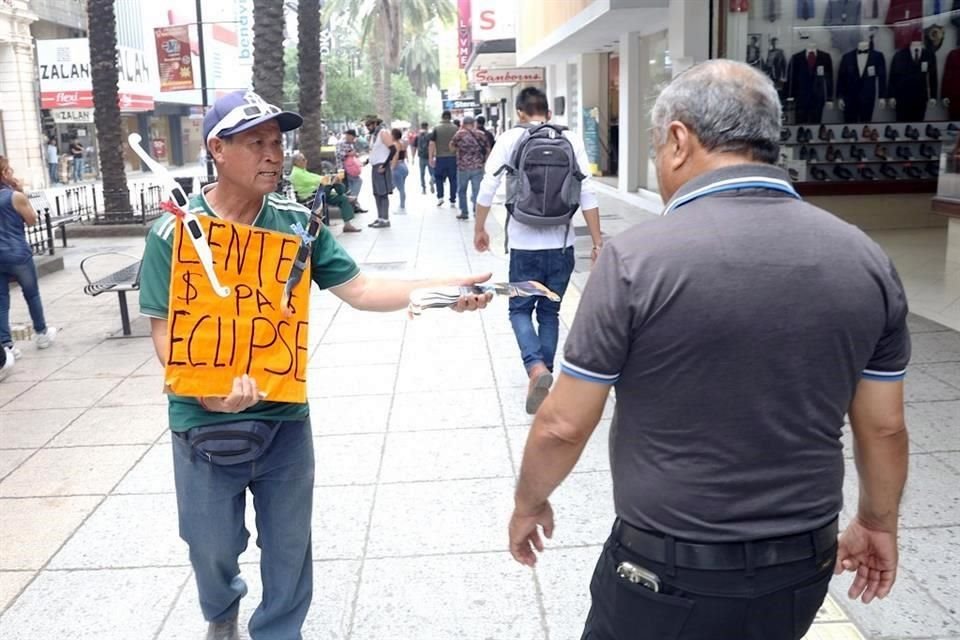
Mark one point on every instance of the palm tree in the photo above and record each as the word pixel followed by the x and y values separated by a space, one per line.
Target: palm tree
pixel 106 111
pixel 420 60
pixel 268 21
pixel 310 81
pixel 382 25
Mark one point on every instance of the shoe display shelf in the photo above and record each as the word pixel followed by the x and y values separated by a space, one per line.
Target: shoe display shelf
pixel 848 159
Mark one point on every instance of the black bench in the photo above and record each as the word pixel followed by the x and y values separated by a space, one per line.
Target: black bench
pixel 119 282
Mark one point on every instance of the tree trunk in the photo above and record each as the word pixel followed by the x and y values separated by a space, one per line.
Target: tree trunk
pixel 380 70
pixel 268 50
pixel 310 81
pixel 106 111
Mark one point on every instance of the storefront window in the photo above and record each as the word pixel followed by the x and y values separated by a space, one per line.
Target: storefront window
pixel 128 123
pixel 869 87
pixel 160 138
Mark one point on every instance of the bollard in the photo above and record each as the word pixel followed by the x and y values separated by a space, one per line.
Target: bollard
pixel 46 220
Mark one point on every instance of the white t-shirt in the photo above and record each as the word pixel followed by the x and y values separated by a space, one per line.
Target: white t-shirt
pixel 524 236
pixel 379 152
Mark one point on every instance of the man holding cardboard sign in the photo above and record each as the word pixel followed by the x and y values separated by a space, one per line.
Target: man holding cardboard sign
pixel 235 349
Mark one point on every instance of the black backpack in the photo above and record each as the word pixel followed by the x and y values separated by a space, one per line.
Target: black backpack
pixel 423 143
pixel 543 177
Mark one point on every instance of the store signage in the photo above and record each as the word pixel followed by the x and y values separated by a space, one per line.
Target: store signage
pixel 464 40
pixel 64 70
pixel 244 13
pixel 72 116
pixel 173 58
pixel 493 20
pixel 469 100
pixel 508 76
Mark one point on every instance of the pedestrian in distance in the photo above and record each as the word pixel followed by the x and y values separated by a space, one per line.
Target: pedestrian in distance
pixel 382 151
pixel 738 330
pixel 400 168
pixel 491 139
pixel 540 238
pixel 470 145
pixel 422 144
pixel 243 134
pixel 443 159
pixel 53 160
pixel 76 152
pixel 348 159
pixel 16 261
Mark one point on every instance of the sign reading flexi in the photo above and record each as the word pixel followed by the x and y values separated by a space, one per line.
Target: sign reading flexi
pixel 173 58
pixel 508 76
pixel 64 69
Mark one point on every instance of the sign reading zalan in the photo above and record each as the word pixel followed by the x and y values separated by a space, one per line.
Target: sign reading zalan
pixel 214 339
pixel 508 76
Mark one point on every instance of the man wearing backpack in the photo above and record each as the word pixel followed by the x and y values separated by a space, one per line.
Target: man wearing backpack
pixel 422 144
pixel 547 181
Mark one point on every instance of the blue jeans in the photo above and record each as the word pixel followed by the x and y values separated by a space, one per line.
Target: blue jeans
pixel 446 168
pixel 400 181
pixel 210 503
pixel 53 172
pixel 551 267
pixel 354 184
pixel 25 273
pixel 471 178
pixel 77 169
pixel 424 169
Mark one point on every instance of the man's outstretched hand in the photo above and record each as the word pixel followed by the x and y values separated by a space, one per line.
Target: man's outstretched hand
pixel 872 554
pixel 473 302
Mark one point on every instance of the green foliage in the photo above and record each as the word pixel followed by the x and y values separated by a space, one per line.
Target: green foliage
pixel 291 77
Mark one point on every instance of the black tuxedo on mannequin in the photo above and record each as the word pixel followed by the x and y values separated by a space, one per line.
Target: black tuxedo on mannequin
pixel 913 81
pixel 859 91
pixel 810 86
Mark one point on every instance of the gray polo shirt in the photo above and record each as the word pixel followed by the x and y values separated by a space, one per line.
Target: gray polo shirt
pixel 735 329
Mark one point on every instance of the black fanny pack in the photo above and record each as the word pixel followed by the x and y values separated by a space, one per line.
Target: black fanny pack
pixel 232 442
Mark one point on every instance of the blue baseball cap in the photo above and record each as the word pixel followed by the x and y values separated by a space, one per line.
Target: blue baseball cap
pixel 242 110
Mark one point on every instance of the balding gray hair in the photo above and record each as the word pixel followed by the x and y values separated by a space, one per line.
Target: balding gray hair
pixel 730 107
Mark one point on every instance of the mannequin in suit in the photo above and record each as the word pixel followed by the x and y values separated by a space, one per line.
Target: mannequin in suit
pixel 950 91
pixel 861 81
pixel 810 84
pixel 776 66
pixel 913 82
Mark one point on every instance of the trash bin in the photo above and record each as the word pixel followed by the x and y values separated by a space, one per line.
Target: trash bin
pixel 186 184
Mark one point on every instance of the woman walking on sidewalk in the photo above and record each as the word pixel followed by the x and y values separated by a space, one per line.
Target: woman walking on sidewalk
pixel 16 259
pixel 400 168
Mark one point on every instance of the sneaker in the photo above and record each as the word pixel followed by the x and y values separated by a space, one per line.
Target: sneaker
pixel 379 224
pixel 540 382
pixel 423 192
pixel 440 202
pixel 8 364
pixel 14 350
pixel 463 216
pixel 453 204
pixel 400 212
pixel 45 339
pixel 225 630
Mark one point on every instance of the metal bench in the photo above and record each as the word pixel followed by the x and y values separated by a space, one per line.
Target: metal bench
pixel 119 282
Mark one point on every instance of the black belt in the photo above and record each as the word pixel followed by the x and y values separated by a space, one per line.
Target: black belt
pixel 727 555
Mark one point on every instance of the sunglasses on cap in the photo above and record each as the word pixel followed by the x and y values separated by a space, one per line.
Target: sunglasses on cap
pixel 241 114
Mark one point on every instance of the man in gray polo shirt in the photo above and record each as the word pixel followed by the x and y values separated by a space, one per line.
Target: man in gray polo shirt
pixel 738 330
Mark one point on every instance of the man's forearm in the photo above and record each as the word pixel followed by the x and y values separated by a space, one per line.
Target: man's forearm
pixel 381 294
pixel 592 216
pixel 882 462
pixel 548 458
pixel 481 217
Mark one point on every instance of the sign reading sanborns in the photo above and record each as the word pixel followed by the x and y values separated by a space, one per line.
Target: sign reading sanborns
pixel 214 339
pixel 493 20
pixel 515 75
pixel 64 69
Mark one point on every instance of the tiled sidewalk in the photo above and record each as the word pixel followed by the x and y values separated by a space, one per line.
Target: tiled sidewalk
pixel 418 429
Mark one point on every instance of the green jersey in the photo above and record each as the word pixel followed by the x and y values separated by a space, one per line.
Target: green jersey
pixel 330 266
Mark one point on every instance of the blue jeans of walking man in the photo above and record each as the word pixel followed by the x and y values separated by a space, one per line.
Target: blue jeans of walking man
pixel 471 178
pixel 25 274
pixel 446 169
pixel 425 169
pixel 551 267
pixel 211 500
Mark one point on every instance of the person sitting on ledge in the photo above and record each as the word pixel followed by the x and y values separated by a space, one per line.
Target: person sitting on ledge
pixel 305 184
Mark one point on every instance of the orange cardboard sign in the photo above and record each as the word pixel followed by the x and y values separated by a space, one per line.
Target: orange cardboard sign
pixel 214 339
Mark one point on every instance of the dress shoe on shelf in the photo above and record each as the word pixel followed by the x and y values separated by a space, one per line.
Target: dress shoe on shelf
pixel 804 153
pixel 843 173
pixel 829 154
pixel 849 134
pixel 813 155
pixel 819 174
pixel 825 134
pixel 784 135
pixel 904 153
pixel 834 155
pixel 889 172
pixel 927 151
pixel 801 135
pixel 952 129
pixel 880 152
pixel 933 170
pixel 911 132
pixel 913 172
pixel 793 174
pixel 890 133
pixel 933 132
pixel 869 134
pixel 857 153
pixel 867 173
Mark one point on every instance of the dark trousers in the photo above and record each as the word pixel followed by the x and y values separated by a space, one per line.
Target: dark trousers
pixel 766 603
pixel 446 168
